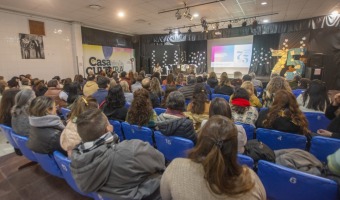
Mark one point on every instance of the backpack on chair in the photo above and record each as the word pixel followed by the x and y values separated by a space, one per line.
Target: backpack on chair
pixel 259 151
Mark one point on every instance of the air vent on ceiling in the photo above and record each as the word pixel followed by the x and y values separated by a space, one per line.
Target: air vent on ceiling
pixel 140 21
pixel 95 7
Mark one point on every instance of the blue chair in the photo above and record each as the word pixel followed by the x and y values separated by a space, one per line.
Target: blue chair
pixel 321 147
pixel 21 142
pixel 127 105
pixel 48 163
pixel 137 132
pixel 159 110
pixel 245 160
pixel 249 130
pixel 259 91
pixel 187 101
pixel 172 146
pixel 117 129
pixel 316 121
pixel 178 86
pixel 212 90
pixel 63 163
pixel 297 92
pixel 226 97
pixel 263 108
pixel 65 112
pixel 7 131
pixel 281 140
pixel 282 183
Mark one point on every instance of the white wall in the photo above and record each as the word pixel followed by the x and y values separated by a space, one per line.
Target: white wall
pixel 59 58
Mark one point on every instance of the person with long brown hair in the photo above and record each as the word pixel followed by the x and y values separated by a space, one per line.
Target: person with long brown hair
pixel 141 112
pixel 198 108
pixel 170 80
pixel 212 80
pixel 212 170
pixel 225 86
pixel 284 115
pixel 275 84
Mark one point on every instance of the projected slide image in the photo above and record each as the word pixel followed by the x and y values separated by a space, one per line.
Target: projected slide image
pixel 231 55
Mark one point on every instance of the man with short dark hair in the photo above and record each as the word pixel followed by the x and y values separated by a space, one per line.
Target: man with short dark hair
pixel 188 89
pixel 90 86
pixel 153 97
pixel 130 169
pixel 103 85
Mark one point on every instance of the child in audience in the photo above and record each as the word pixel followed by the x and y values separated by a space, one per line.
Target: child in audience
pixel 46 126
pixel 127 170
pixel 173 122
pixel 20 122
pixel 275 84
pixel 198 108
pixel 114 106
pixel 141 112
pixel 212 170
pixel 219 106
pixel 242 111
pixel 284 115
pixel 315 98
pixel 70 137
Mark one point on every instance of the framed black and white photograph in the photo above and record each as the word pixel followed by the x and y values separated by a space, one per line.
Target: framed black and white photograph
pixel 32 46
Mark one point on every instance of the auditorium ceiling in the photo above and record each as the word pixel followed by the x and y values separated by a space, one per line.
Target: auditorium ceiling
pixel 142 16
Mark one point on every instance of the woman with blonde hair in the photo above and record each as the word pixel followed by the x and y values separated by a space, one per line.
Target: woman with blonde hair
pixel 275 84
pixel 128 95
pixel 155 88
pixel 180 80
pixel 211 170
pixel 254 101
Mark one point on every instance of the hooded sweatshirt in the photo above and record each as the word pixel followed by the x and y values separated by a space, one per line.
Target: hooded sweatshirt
pixel 127 170
pixel 90 87
pixel 45 133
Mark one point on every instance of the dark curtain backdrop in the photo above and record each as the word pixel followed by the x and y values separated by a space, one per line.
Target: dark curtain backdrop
pixel 194 52
pixel 262 62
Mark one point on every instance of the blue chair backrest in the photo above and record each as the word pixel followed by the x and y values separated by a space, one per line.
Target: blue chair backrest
pixel 171 146
pixel 245 160
pixel 316 121
pixel 297 92
pixel 178 86
pixel 259 91
pixel 249 130
pixel 163 87
pixel 212 90
pixel 65 112
pixel 159 110
pixel 281 140
pixel 118 129
pixel 321 147
pixel 21 142
pixel 48 163
pixel 282 183
pixel 6 130
pixel 63 163
pixel 187 101
pixel 127 105
pixel 263 108
pixel 226 97
pixel 136 132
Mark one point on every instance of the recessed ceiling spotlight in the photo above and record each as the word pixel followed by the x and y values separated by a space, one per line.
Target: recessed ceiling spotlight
pixel 265 21
pixel 95 7
pixel 264 3
pixel 335 12
pixel 121 14
pixel 195 15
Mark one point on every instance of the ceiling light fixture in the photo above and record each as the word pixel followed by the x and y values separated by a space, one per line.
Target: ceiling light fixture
pixel 335 13
pixel 178 15
pixel 121 14
pixel 187 14
pixel 265 21
pixel 95 7
pixel 195 15
pixel 264 3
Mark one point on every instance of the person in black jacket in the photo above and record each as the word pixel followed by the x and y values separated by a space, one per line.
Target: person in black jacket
pixel 225 86
pixel 173 122
pixel 212 80
pixel 333 129
pixel 46 126
pixel 114 106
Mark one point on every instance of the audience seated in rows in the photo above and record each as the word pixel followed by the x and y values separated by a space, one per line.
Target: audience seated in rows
pixel 284 115
pixel 256 82
pixel 168 90
pixel 212 80
pixel 332 113
pixel 63 95
pixel 73 94
pixel 242 111
pixel 7 102
pixel 46 126
pixel 219 106
pixel 275 84
pixel 103 84
pixel 155 88
pixel 188 89
pixel 138 84
pixel 128 95
pixel 155 100
pixel 254 101
pixel 124 78
pixel 53 91
pixel 90 86
pixel 114 104
pixel 315 98
pixel 170 80
pixel 173 122
pixel 156 75
pixel 180 80
pixel 141 112
pixel 198 108
pixel 20 122
pixel 25 84
pixel 211 170
pixel 78 78
pixel 127 170
pixel 237 80
pixel 69 137
pixel 225 86
pixel 39 87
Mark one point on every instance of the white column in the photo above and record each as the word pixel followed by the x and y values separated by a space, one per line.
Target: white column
pixel 77 48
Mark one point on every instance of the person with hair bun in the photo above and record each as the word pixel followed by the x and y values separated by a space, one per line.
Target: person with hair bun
pixel 211 170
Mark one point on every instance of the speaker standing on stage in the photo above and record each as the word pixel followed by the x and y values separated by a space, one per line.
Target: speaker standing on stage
pixel 158 68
